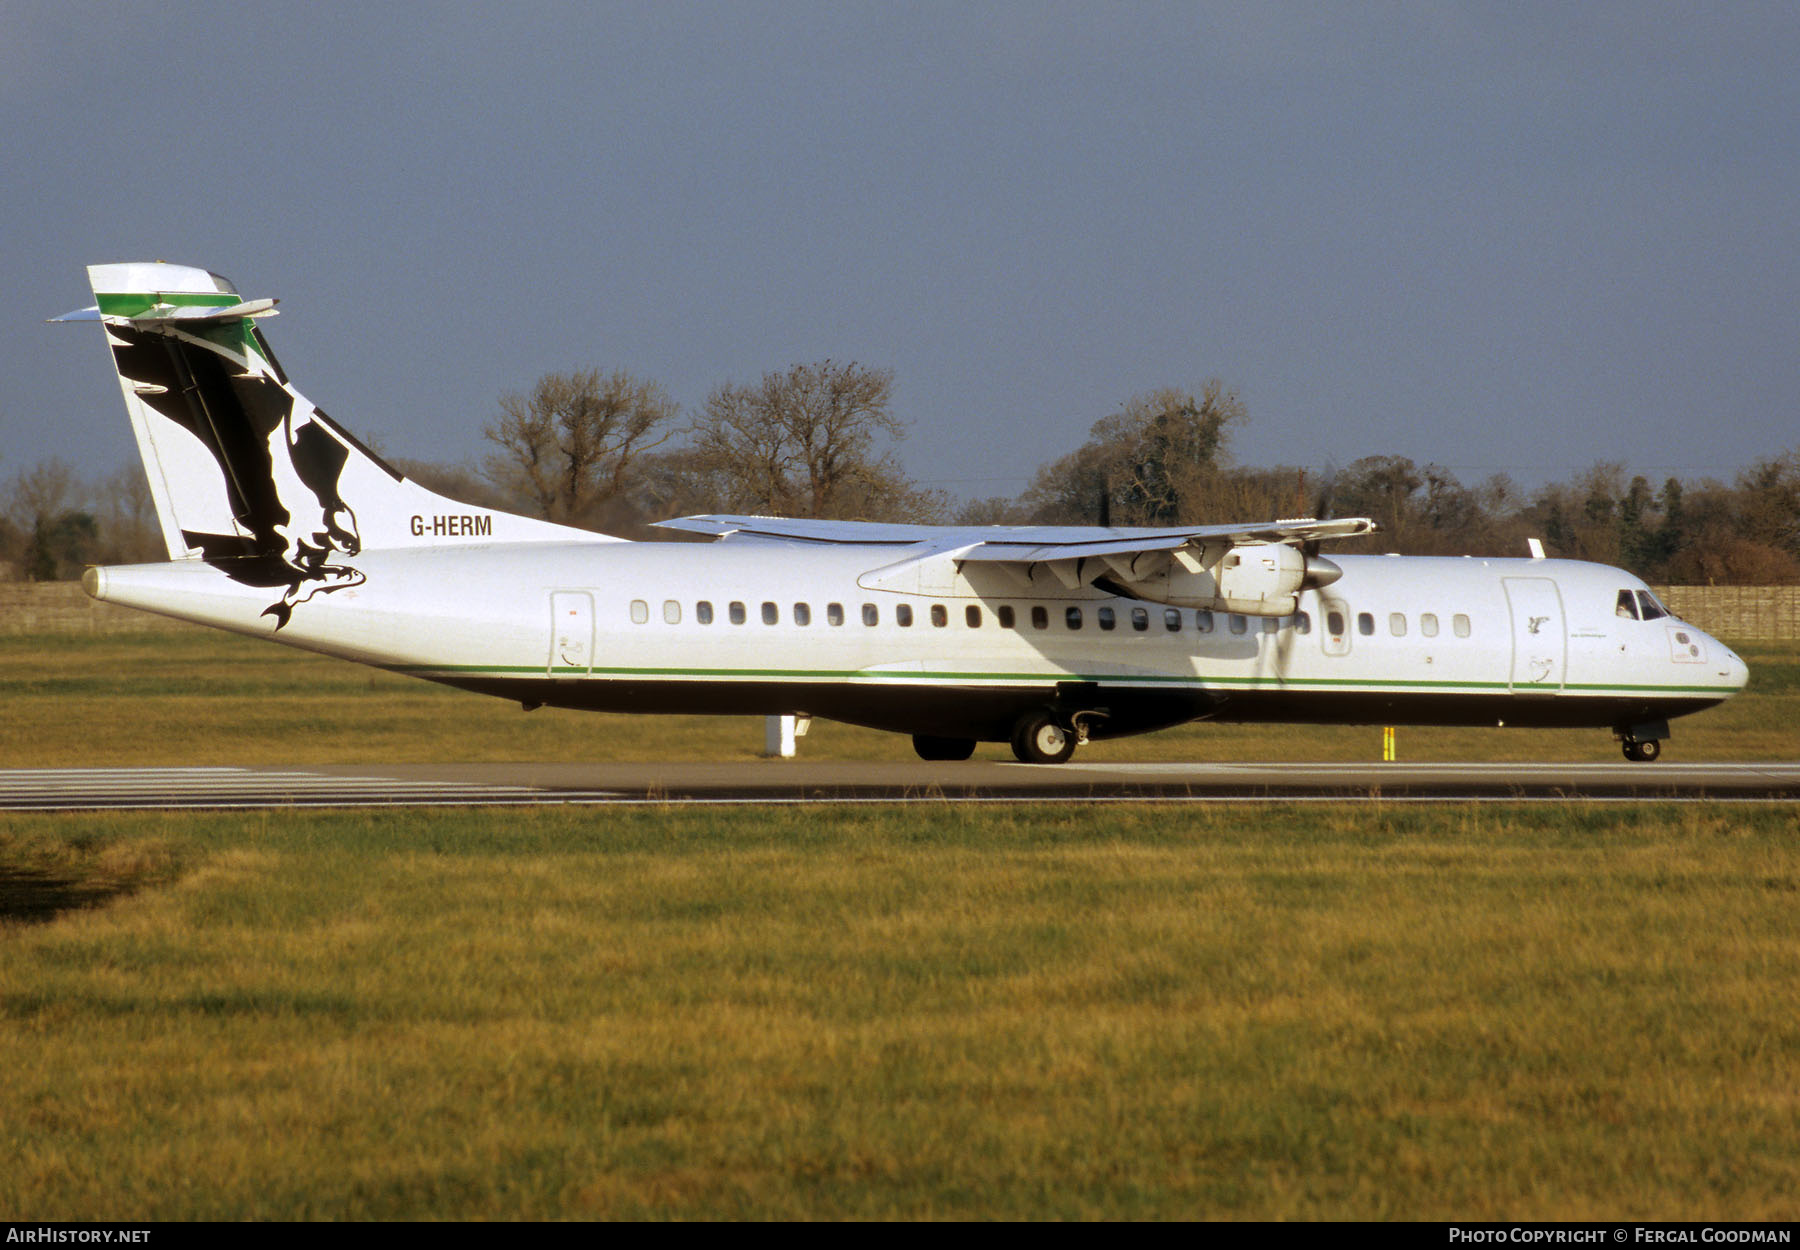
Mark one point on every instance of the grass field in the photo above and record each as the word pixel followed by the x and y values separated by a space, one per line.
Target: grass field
pixel 1147 1012
pixel 197 697
pixel 1155 1012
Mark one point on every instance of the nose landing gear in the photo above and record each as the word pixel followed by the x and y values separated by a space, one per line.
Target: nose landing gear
pixel 1642 743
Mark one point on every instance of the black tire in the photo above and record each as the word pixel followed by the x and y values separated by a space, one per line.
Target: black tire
pixel 1642 752
pixel 930 748
pixel 1038 739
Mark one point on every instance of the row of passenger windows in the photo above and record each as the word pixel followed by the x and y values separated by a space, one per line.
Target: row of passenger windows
pixel 1398 624
pixel 1138 620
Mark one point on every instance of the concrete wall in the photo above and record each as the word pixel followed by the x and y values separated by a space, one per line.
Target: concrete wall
pixel 1749 613
pixel 64 608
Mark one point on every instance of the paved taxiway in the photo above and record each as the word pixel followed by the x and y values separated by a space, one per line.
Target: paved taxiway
pixel 421 785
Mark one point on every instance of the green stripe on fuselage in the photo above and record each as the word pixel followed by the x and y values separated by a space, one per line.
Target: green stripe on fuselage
pixel 1199 682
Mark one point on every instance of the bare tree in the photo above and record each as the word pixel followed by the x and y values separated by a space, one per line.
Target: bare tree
pixel 129 531
pixel 42 491
pixel 1153 462
pixel 567 448
pixel 803 443
pixel 461 482
pixel 994 510
pixel 1769 502
pixel 58 535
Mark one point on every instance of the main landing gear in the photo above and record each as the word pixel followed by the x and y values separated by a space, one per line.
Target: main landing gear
pixel 1047 734
pixel 1641 752
pixel 1039 739
pixel 930 748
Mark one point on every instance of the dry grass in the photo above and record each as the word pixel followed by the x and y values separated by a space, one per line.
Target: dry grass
pixel 929 1012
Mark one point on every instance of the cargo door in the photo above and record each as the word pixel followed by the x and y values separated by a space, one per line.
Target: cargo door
pixel 571 633
pixel 1539 640
pixel 1334 626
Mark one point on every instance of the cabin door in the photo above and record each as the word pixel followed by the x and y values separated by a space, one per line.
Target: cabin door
pixel 1538 638
pixel 571 633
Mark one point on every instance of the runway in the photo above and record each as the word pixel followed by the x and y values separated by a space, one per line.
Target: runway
pixel 794 782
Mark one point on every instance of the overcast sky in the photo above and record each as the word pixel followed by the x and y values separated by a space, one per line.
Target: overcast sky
pixel 1507 237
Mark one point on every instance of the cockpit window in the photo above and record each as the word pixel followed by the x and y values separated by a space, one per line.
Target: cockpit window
pixel 1627 606
pixel 1652 609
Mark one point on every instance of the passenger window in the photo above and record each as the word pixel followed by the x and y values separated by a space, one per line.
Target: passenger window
pixel 903 615
pixel 771 614
pixel 671 612
pixel 1459 624
pixel 1105 617
pixel 972 615
pixel 1203 621
pixel 834 614
pixel 939 616
pixel 1140 619
pixel 1005 614
pixel 1302 623
pixel 1397 624
pixel 1172 620
pixel 1365 624
pixel 1237 623
pixel 1072 618
pixel 1428 624
pixel 736 611
pixel 703 612
pixel 1652 609
pixel 1334 623
pixel 803 614
pixel 871 614
pixel 640 611
pixel 1627 606
pixel 1040 618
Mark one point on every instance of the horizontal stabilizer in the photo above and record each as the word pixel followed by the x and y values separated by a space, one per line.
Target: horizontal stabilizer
pixel 204 312
pixel 188 314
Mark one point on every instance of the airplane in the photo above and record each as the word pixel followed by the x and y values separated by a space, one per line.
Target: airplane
pixel 281 525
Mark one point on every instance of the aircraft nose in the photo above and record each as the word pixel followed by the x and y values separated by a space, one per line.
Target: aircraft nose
pixel 1733 672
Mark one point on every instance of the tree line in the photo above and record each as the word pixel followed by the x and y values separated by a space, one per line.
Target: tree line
pixel 613 452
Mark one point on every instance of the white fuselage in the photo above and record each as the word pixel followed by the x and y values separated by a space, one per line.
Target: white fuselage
pixel 760 627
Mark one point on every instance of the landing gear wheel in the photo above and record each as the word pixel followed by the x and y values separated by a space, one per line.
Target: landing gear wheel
pixel 930 748
pixel 1038 739
pixel 1642 752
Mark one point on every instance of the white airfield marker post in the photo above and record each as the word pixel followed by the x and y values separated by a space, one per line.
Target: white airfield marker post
pixel 781 735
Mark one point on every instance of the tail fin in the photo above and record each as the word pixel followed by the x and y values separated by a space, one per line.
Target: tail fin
pixel 247 474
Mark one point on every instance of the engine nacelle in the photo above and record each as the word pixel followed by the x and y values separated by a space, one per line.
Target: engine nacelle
pixel 1252 579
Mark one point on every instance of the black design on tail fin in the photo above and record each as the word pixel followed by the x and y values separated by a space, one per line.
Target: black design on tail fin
pixel 281 477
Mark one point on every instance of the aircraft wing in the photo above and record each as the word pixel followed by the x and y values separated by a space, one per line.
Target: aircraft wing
pixel 1022 544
